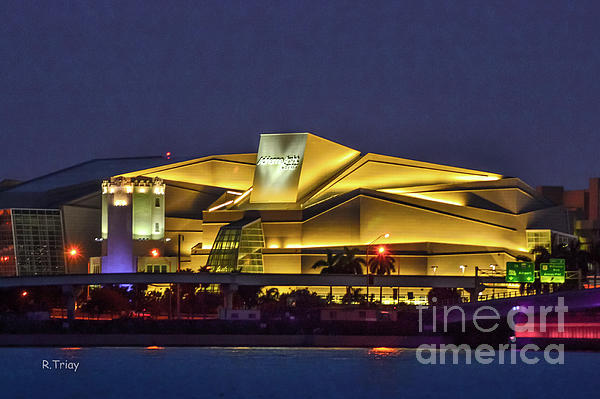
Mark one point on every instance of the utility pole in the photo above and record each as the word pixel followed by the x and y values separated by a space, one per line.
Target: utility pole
pixel 179 239
pixel 476 290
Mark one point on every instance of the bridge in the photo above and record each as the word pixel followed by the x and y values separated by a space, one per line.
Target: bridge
pixel 256 279
pixel 230 281
pixel 579 299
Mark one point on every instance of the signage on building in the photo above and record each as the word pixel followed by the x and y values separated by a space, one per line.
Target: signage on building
pixel 553 272
pixel 278 166
pixel 520 272
pixel 288 162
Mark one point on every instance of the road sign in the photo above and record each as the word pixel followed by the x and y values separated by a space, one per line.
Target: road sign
pixel 553 272
pixel 520 272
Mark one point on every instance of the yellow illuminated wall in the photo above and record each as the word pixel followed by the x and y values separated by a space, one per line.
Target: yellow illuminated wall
pixel 290 166
pixel 312 193
pixel 231 171
pixel 380 172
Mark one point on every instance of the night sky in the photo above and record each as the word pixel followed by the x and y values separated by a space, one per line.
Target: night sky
pixel 507 87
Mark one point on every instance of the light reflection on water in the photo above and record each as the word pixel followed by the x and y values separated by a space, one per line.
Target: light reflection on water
pixel 241 372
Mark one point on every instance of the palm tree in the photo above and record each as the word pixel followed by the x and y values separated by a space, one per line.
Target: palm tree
pixel 575 258
pixel 330 265
pixel 349 263
pixel 340 263
pixel 270 295
pixel 381 264
pixel 353 295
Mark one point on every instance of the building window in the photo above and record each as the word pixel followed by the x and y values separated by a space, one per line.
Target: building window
pixel 157 227
pixel 238 246
pixel 156 268
pixel 163 268
pixel 157 202
pixel 148 268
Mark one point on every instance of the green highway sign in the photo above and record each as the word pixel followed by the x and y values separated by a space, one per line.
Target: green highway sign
pixel 553 272
pixel 520 272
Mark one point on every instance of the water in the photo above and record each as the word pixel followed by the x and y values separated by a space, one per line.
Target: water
pixel 282 373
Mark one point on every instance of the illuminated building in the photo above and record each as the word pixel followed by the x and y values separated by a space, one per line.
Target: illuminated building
pixel 73 195
pixel 133 211
pixel 301 194
pixel 279 209
pixel 31 242
pixel 583 206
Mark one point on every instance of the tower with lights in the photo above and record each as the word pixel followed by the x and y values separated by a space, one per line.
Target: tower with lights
pixel 133 211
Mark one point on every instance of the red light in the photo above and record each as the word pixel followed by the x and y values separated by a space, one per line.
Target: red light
pixel 24 293
pixel 168 155
pixel 73 251
pixel 381 250
pixel 155 253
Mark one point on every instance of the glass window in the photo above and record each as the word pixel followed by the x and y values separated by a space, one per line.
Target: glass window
pixel 148 268
pixel 157 202
pixel 163 268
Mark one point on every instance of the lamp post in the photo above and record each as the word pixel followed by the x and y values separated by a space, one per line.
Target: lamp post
pixel 72 255
pixel 493 267
pixel 384 235
pixel 179 239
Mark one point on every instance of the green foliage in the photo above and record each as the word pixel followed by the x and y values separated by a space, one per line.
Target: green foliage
pixel 248 295
pixel 345 262
pixel 353 295
pixel 444 295
pixel 382 264
pixel 107 299
pixel 302 299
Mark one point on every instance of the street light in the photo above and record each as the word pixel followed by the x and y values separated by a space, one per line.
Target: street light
pixel 462 268
pixel 72 254
pixel 434 268
pixel 381 250
pixel 493 267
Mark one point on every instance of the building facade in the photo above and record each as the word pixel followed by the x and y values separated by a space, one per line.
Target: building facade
pixel 279 210
pixel 31 242
pixel 583 206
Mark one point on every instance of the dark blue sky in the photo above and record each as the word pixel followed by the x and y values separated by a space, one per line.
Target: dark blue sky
pixel 508 87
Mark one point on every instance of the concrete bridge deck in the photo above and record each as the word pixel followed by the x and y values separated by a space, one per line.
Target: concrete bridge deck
pixel 261 279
